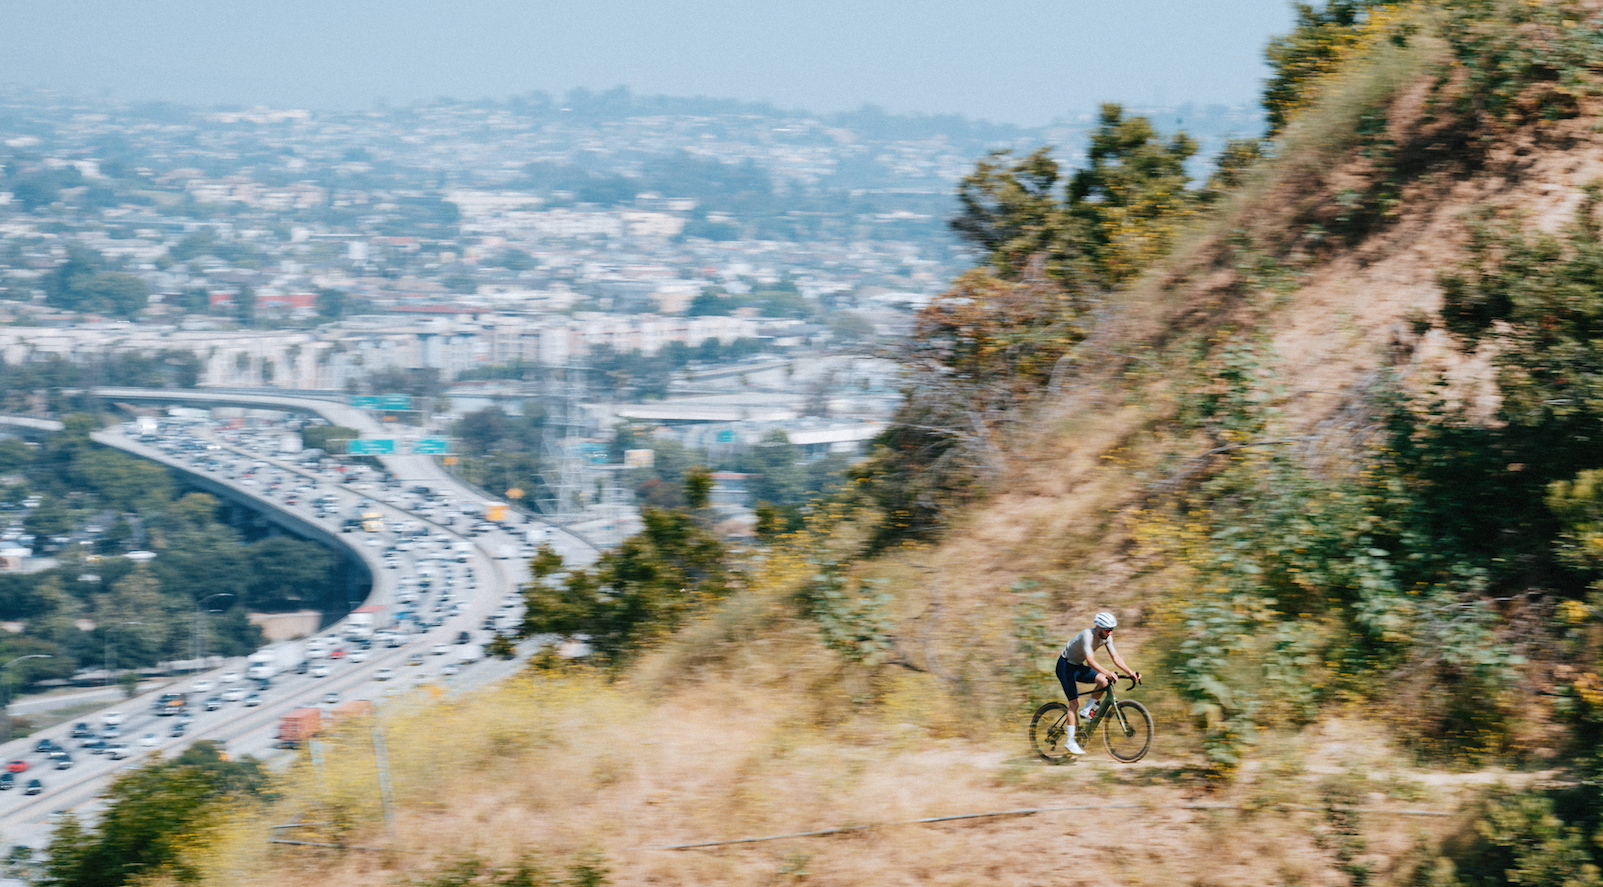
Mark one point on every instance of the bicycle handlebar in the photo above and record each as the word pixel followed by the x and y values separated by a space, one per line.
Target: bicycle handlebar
pixel 1132 679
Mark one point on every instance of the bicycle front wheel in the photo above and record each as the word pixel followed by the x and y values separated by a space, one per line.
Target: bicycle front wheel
pixel 1128 733
pixel 1049 731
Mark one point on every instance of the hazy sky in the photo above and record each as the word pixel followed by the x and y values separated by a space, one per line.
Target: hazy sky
pixel 1003 60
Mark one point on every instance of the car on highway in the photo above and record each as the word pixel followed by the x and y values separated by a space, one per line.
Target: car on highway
pixel 63 761
pixel 203 687
pixel 149 740
pixel 384 674
pixel 319 671
pixel 331 698
pixel 45 746
pixel 450 669
pixel 111 718
pixel 35 787
pixel 213 703
pixel 179 729
pixel 82 730
pixel 253 700
pixel 440 649
pixel 118 751
pixel 17 766
pixel 111 732
pixel 233 694
pixel 95 746
pixel 8 781
pixel 415 659
pixel 359 655
pixel 231 677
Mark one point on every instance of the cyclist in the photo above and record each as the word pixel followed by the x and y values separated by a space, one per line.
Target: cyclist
pixel 1078 665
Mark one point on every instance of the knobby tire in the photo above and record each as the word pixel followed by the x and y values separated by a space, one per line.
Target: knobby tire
pixel 1049 731
pixel 1127 746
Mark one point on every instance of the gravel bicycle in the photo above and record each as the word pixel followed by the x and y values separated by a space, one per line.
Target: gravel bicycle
pixel 1127 734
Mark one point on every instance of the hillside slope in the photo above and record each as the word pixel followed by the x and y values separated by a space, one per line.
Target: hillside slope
pixel 1222 461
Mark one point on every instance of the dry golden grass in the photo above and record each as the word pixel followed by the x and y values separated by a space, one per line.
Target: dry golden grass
pixel 557 766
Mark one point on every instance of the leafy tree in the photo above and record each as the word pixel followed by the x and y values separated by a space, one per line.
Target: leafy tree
pixel 1132 194
pixel 138 598
pixel 286 574
pixel 321 437
pixel 698 487
pixel 202 561
pixel 1114 216
pixel 1312 49
pixel 14 455
pixel 992 342
pixel 483 430
pixel 331 303
pixel 51 518
pixel 150 812
pixel 81 284
pixel 776 461
pixel 1538 297
pixel 711 303
pixel 637 592
pixel 122 481
pixel 245 305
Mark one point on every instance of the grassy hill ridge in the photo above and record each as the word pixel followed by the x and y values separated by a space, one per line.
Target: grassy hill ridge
pixel 1280 447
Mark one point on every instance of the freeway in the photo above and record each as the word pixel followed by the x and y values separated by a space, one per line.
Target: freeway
pixel 428 559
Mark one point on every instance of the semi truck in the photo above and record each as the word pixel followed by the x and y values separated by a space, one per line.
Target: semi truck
pixel 298 726
pixel 359 625
pixel 273 660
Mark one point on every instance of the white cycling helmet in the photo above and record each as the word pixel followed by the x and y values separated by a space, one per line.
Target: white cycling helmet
pixel 1105 620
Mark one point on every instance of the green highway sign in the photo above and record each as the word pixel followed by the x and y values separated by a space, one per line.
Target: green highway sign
pixel 726 436
pixel 364 401
pixel 370 448
pixel 431 446
pixel 395 402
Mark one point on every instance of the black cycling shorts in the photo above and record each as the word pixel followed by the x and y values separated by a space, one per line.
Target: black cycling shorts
pixel 1070 676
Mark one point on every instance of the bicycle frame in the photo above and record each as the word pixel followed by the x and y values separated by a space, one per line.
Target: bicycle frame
pixel 1109 703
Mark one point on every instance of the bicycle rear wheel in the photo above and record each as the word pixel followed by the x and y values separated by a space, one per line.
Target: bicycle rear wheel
pixel 1128 734
pixel 1049 731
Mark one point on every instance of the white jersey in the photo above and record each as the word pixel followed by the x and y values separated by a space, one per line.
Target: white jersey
pixel 1086 642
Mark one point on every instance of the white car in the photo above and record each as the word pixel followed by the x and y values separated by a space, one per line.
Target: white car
pixel 111 718
pixel 230 677
pixel 233 694
pixel 203 687
pixel 319 671
pixel 384 674
pixel 440 649
pixel 357 655
pixel 149 740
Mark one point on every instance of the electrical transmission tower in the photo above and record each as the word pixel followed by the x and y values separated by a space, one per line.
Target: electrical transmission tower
pixel 562 492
